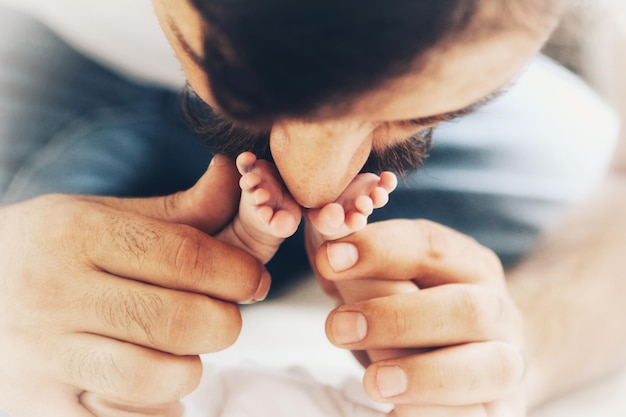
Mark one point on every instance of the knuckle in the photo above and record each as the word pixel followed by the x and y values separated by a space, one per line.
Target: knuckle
pixel 168 379
pixel 508 365
pixel 186 255
pixel 132 239
pixel 178 332
pixel 443 243
pixel 492 264
pixel 92 368
pixel 398 326
pixel 187 377
pixel 228 328
pixel 392 323
pixel 134 313
pixel 251 287
pixel 200 326
pixel 144 379
pixel 428 230
pixel 482 309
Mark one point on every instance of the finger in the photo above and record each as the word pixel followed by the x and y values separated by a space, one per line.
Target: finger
pixel 438 316
pixel 329 288
pixel 420 250
pixel 126 373
pixel 42 398
pixel 462 375
pixel 494 409
pixel 171 255
pixel 349 326
pixel 208 205
pixel 477 410
pixel 176 322
pixel 103 407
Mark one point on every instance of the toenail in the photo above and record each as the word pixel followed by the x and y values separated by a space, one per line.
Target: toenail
pixel 342 256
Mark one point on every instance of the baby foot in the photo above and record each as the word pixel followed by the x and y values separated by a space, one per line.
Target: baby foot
pixel 350 211
pixel 345 216
pixel 267 213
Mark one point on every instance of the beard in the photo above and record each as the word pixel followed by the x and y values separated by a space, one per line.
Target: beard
pixel 225 136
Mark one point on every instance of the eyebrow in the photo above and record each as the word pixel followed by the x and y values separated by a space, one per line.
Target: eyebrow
pixel 197 59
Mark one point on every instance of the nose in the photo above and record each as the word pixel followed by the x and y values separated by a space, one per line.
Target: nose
pixel 318 160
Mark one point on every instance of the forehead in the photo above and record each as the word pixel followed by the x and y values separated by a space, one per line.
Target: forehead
pixel 454 76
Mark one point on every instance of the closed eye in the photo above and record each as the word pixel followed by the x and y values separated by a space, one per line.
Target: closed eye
pixel 430 121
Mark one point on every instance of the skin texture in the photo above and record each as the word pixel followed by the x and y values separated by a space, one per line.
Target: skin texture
pixel 107 318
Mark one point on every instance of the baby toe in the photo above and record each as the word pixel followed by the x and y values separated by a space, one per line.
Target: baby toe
pixel 261 196
pixel 283 224
pixel 329 219
pixel 265 214
pixel 249 181
pixel 379 197
pixel 245 162
pixel 364 205
pixel 388 181
pixel 356 221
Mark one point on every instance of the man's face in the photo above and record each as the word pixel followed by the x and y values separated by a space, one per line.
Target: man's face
pixel 318 158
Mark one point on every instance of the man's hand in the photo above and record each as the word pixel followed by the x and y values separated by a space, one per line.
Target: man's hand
pixel 105 304
pixel 461 332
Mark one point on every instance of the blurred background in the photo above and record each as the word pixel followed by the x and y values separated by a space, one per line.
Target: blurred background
pixel 591 42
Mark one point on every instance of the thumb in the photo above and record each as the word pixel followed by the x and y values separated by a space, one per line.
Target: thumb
pixel 208 205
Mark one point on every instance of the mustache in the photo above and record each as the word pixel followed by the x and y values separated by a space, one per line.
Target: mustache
pixel 225 136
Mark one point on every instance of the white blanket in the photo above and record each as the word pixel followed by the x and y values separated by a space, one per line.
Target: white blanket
pixel 250 390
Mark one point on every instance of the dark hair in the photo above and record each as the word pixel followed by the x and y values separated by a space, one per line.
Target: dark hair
pixel 275 58
pixel 269 59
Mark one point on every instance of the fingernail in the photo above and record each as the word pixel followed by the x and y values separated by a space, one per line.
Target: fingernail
pixel 349 327
pixel 264 287
pixel 262 290
pixel 342 256
pixel 391 381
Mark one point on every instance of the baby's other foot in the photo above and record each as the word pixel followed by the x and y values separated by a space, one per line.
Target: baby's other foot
pixel 267 212
pixel 265 197
pixel 350 211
